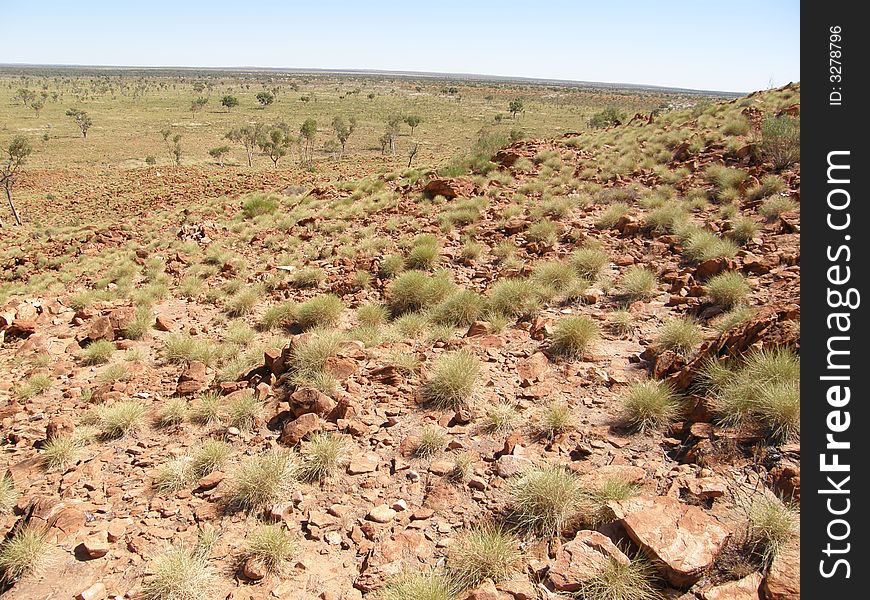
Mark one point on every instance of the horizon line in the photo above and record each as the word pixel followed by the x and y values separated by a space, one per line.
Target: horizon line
pixel 396 73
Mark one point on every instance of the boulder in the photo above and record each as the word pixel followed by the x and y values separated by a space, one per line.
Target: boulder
pixel 101 329
pixel 296 430
pixel 309 400
pixel 682 540
pixel 783 581
pixel 742 589
pixel 582 559
pixel 448 188
pixel 193 379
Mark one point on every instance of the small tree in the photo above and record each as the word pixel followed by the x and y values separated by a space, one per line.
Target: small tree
pixel 25 96
pixel 229 102
pixel 343 131
pixel 515 106
pixel 175 149
pixel 412 121
pixel 16 155
pixel 247 136
pixel 82 119
pixel 265 98
pixel 219 153
pixel 307 133
pixel 197 105
pixel 276 142
pixel 37 105
pixel 392 132
pixel 412 154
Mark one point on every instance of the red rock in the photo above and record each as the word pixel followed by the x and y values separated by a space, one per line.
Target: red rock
pixel 96 546
pixel 309 400
pixel 486 590
pixel 478 328
pixel 442 467
pixel 101 329
pixel 531 368
pixel 582 559
pixel 363 463
pixel 381 514
pixel 518 589
pixel 211 480
pixel 253 569
pixel 95 592
pixel 448 188
pixel 193 379
pixel 59 426
pixel 121 319
pixel 742 589
pixel 295 431
pixel 783 581
pixel 341 367
pixel 682 540
pixel 164 323
pixel 273 358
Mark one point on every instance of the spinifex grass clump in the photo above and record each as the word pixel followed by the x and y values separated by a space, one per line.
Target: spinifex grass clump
pixel 271 546
pixel 453 379
pixel 412 585
pixel 484 552
pixel 728 289
pixel 546 499
pixel 679 334
pixel 26 552
pixel 573 336
pixel 649 404
pixel 415 290
pixel 514 297
pixel 263 479
pixel 771 525
pixel 763 390
pixel 589 261
pixel 179 574
pixel 638 283
pixel 322 456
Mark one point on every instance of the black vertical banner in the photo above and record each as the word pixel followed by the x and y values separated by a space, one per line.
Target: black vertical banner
pixel 835 425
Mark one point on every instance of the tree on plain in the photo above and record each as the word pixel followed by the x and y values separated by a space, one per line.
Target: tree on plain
pixel 275 142
pixel 307 133
pixel 82 119
pixel 16 155
pixel 229 102
pixel 197 105
pixel 515 106
pixel 412 121
pixel 219 153
pixel 248 136
pixel 343 130
pixel 265 98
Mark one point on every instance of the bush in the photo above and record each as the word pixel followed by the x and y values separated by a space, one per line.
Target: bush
pixel 771 525
pixel 621 322
pixel 773 207
pixel 611 216
pixel 544 232
pixel 743 230
pixel 459 310
pixel 322 455
pixel 414 290
pixel 588 262
pixel 26 552
pixel 546 499
pixel 728 289
pixel 484 552
pixel 638 283
pixel 502 417
pixel 431 441
pixel 257 204
pixel 243 411
pixel 618 581
pixel 702 244
pixel 781 140
pixel 679 334
pixel 453 380
pixel 572 336
pixel 209 457
pixel 97 353
pixel 555 419
pixel 270 546
pixel 554 276
pixel 182 348
pixel 419 586
pixel 263 480
pixel 119 419
pixel 423 256
pixel 243 302
pixel 764 388
pixel 179 575
pixel 649 404
pixel 322 311
pixel 372 315
pixel 514 297
pixel 308 277
pixel 608 117
pixel 172 412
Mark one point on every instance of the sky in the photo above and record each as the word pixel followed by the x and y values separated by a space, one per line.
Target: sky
pixel 738 46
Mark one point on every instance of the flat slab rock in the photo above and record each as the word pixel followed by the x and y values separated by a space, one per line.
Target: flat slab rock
pixel 582 559
pixel 783 582
pixel 682 540
pixel 742 589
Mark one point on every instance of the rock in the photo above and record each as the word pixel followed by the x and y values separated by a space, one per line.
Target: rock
pixel 273 358
pixel 59 426
pixel 309 400
pixel 121 319
pixel 682 540
pixel 363 463
pixel 211 480
pixel 95 592
pixel 448 188
pixel 629 474
pixel 706 488
pixel 786 481
pixel 485 591
pixel 532 367
pixel 506 157
pixel 508 466
pixel 341 367
pixel 478 328
pixel 442 467
pixel 253 569
pixel 296 430
pixel 381 514
pixel 96 546
pixel 101 329
pixel 193 379
pixel 583 558
pixel 518 589
pixel 164 323
pixel 742 589
pixel 783 581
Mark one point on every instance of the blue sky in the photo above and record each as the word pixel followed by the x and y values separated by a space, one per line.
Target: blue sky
pixel 733 46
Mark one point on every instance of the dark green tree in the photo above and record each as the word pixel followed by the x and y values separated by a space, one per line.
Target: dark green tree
pixel 265 98
pixel 343 130
pixel 82 119
pixel 248 136
pixel 16 155
pixel 515 106
pixel 229 102
pixel 412 121
pixel 307 132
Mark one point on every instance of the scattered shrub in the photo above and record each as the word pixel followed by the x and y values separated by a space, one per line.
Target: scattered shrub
pixel 546 499
pixel 572 336
pixel 728 289
pixel 638 283
pixel 453 380
pixel 271 546
pixel 179 575
pixel 649 404
pixel 484 552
